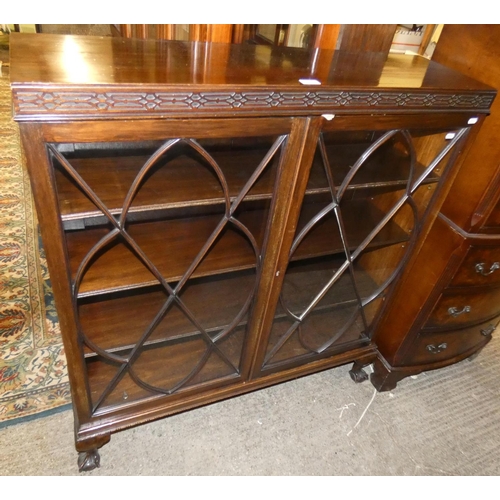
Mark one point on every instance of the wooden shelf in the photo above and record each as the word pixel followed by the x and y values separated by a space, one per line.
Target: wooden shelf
pixel 170 184
pixel 116 322
pixel 387 166
pixel 164 366
pixel 303 281
pixel 173 244
pixel 359 216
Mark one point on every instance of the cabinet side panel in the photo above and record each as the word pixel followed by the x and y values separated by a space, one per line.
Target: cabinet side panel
pixel 42 184
pixel 424 267
pixel 422 276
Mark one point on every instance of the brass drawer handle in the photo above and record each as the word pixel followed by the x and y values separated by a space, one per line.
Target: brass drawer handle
pixel 436 349
pixel 488 331
pixel 454 311
pixel 493 268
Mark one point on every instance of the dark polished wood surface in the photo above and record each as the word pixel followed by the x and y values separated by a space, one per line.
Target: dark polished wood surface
pixel 447 291
pixel 80 60
pixel 262 237
pixel 89 76
pixel 476 52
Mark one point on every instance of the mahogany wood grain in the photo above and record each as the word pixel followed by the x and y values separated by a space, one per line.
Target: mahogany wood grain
pixel 291 185
pixel 156 407
pixel 92 90
pixel 218 33
pixel 105 131
pixel 162 367
pixel 465 214
pixel 173 244
pixel 163 345
pixel 469 306
pixel 43 188
pixel 385 377
pixel 238 33
pixel 115 322
pixel 474 50
pixel 42 87
pixel 426 349
pixel 484 254
pixel 366 37
pixel 422 279
pixel 430 123
pixel 327 36
pixel 166 31
pixel 492 222
pixel 170 185
pixel 197 32
pixel 320 327
pixel 126 30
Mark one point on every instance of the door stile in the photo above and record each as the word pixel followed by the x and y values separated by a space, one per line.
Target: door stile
pixel 282 224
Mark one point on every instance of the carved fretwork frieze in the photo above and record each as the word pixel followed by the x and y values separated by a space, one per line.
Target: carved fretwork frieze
pixel 31 103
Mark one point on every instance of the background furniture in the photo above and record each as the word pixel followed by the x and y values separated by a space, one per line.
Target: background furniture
pixel 447 304
pixel 219 218
pixel 348 37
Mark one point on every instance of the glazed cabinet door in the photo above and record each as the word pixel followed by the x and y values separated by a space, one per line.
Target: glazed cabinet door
pixel 367 194
pixel 162 240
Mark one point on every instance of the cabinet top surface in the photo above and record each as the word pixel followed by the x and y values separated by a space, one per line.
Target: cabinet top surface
pixel 148 73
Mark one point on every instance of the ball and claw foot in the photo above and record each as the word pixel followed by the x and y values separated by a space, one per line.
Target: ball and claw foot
pixel 88 460
pixel 358 374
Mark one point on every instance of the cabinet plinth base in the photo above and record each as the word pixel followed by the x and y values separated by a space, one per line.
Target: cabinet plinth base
pixel 385 378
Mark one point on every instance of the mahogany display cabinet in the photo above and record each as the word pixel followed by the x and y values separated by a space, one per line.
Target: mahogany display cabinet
pixel 219 218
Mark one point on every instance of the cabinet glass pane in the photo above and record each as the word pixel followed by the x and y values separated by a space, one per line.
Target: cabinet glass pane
pixel 164 242
pixel 366 195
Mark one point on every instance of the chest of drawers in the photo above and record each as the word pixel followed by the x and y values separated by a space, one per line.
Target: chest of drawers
pixel 457 269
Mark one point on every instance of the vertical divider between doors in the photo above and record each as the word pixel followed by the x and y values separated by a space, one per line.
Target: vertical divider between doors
pixel 288 194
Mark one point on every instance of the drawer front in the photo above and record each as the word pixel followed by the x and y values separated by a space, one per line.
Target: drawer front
pixel 434 347
pixel 481 266
pixel 457 309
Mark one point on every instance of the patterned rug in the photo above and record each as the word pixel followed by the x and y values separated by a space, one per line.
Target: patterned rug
pixel 33 376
